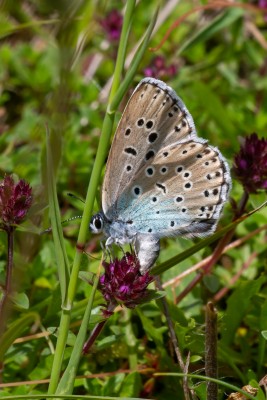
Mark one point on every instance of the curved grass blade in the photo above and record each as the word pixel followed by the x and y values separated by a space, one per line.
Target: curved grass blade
pixel 15 330
pixel 66 383
pixel 206 378
pixel 61 254
pixel 135 64
pixel 223 21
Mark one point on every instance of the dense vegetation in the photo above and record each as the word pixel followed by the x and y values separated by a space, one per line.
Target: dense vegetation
pixel 67 69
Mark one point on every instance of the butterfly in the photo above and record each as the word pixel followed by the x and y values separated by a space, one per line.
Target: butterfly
pixel 161 180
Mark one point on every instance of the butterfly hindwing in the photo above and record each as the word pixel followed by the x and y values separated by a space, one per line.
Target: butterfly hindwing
pixel 181 192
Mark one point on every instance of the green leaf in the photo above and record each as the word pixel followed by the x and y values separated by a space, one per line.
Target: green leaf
pixel 237 306
pixel 20 300
pixel 70 339
pixel 214 106
pixel 5 26
pixel 43 283
pixel 106 342
pixel 87 276
pixel 131 385
pixel 113 384
pixel 212 283
pixel 15 330
pixel 223 21
pixel 153 295
pixel 152 332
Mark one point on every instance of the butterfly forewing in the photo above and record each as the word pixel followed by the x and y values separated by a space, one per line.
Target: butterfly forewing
pixel 154 117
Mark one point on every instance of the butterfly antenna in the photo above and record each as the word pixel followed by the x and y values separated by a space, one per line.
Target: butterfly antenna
pixel 48 230
pixel 90 256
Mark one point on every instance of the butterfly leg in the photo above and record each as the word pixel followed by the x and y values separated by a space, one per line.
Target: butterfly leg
pixel 121 248
pixel 106 251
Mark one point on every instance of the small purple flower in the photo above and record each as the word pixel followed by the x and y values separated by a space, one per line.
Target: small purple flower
pixel 112 25
pixel 159 69
pixel 263 5
pixel 15 200
pixel 122 282
pixel 250 164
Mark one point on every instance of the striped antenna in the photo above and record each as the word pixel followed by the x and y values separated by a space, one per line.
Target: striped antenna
pixel 48 230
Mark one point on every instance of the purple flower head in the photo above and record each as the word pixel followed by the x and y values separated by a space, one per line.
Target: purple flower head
pixel 250 164
pixel 112 25
pixel 122 282
pixel 159 69
pixel 15 200
pixel 263 5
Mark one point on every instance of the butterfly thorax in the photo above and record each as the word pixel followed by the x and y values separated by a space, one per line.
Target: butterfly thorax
pixel 117 231
pixel 122 232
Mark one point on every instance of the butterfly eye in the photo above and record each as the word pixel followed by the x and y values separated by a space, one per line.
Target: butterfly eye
pixel 96 223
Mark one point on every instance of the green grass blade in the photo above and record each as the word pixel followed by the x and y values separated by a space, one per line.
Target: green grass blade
pixel 70 397
pixel 217 24
pixel 214 107
pixel 15 330
pixel 127 23
pixel 67 381
pixel 206 378
pixel 135 64
pixel 60 251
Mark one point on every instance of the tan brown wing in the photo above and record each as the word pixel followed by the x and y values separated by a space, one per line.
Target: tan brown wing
pixel 153 118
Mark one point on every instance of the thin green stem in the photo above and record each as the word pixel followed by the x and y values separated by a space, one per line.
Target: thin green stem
pixel 10 245
pixel 127 22
pixel 8 283
pixel 208 379
pixel 7 288
pixel 59 353
pixel 135 63
pixel 90 197
pixel 211 364
pixel 67 381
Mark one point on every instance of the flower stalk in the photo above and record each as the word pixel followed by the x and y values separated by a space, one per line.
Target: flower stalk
pixel 7 289
pixel 15 201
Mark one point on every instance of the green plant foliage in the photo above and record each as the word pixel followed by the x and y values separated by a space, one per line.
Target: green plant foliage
pixel 67 69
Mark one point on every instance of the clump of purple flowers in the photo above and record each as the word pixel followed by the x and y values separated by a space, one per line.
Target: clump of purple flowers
pixel 122 282
pixel 15 201
pixel 158 69
pixel 112 25
pixel 263 5
pixel 250 164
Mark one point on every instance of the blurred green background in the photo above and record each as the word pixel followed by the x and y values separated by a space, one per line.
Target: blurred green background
pixel 56 66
